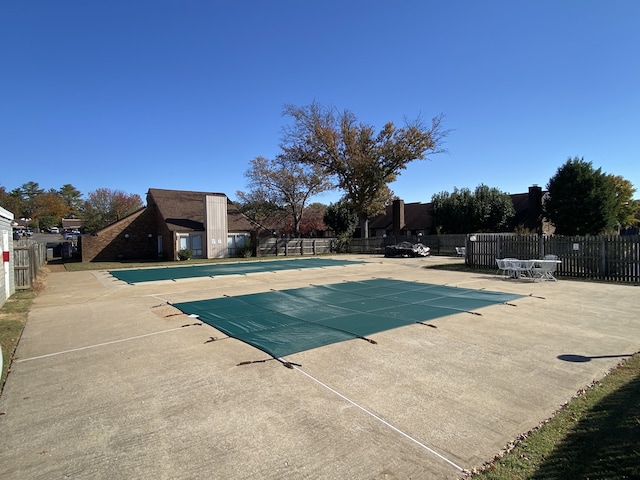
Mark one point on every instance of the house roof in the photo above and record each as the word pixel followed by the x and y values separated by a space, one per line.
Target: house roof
pixel 417 216
pixel 521 207
pixel 184 211
pixel 71 223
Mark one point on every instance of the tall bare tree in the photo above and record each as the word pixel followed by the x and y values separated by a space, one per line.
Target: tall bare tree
pixel 361 161
pixel 285 182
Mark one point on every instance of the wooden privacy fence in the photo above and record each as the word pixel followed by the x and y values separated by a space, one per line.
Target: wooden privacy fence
pixel 296 246
pixel 608 257
pixel 438 244
pixel 28 259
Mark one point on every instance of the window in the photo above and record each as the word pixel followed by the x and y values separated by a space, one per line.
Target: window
pixel 191 241
pixel 196 245
pixel 236 242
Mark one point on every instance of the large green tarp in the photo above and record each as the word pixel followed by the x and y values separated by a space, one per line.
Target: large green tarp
pixel 140 275
pixel 288 321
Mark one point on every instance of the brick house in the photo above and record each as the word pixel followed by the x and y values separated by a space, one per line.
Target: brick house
pixel 71 224
pixel 206 223
pixel 415 218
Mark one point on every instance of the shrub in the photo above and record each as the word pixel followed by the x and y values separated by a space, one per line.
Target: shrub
pixel 244 251
pixel 185 254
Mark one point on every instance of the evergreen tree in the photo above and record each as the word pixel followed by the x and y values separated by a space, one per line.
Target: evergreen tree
pixel 581 200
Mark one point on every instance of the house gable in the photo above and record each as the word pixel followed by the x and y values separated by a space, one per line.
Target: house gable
pixel 154 231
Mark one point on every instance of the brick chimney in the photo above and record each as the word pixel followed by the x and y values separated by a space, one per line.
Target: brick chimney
pixel 397 216
pixel 534 214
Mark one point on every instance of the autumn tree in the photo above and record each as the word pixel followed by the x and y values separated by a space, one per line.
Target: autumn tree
pixel 49 209
pixel 310 224
pixel 626 208
pixel 581 200
pixel 105 206
pixel 361 161
pixel 285 182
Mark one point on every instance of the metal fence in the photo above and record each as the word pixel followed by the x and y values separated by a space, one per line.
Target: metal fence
pixel 608 257
pixel 28 259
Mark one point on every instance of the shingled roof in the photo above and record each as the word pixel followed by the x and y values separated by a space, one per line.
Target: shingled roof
pixel 184 210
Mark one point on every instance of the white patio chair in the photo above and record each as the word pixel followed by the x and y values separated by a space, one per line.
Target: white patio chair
pixel 519 268
pixel 461 251
pixel 510 267
pixel 546 268
pixel 500 262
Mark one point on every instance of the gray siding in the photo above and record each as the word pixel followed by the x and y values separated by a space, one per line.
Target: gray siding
pixel 7 281
pixel 215 224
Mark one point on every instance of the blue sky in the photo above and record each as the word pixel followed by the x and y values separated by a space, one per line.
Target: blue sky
pixel 182 94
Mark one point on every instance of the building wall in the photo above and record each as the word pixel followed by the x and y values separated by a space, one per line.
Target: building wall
pixel 167 239
pixel 215 224
pixel 7 277
pixel 132 238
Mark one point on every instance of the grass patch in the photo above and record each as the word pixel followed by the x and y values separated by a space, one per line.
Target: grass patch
pixel 86 266
pixel 13 316
pixel 596 435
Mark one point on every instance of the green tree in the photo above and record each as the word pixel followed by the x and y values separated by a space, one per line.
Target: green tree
pixel 463 211
pixel 493 209
pixel 72 199
pixel 287 183
pixel 361 161
pixel 626 208
pixel 28 194
pixel 12 201
pixel 48 221
pixel 341 218
pixel 581 200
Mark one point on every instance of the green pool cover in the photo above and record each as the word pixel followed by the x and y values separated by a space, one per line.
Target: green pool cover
pixel 217 269
pixel 288 321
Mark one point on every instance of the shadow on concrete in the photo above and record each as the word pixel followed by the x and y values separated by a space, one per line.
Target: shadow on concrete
pixel 569 357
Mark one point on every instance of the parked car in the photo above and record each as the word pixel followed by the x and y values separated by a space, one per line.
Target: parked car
pixel 54 230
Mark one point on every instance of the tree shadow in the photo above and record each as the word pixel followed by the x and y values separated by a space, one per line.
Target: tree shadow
pixel 570 357
pixel 605 443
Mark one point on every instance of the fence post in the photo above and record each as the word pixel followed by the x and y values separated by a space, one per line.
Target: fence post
pixel 603 257
pixel 541 251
